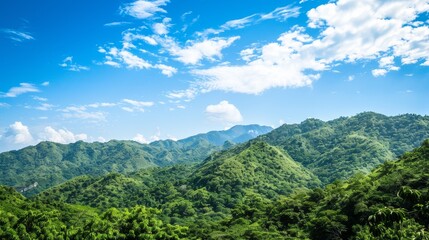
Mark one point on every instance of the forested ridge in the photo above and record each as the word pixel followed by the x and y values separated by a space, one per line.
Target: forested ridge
pixel 50 163
pixel 315 180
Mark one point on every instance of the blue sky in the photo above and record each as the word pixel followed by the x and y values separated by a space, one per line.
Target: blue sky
pixel 149 70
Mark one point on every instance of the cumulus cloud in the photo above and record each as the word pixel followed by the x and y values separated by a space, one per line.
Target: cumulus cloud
pixel 224 112
pixel 379 72
pixel 61 135
pixel 143 9
pixel 23 88
pixel 140 138
pixel 349 31
pixel 280 64
pixel 18 133
pixel 162 28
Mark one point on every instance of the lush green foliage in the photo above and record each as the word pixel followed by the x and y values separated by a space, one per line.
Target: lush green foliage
pixel 50 164
pixel 254 190
pixel 392 202
pixel 342 147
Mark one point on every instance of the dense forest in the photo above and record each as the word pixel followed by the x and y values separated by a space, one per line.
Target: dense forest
pixel 350 178
pixel 50 163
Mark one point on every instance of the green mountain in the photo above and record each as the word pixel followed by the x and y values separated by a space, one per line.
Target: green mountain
pixel 254 167
pixel 339 148
pixel 391 202
pixel 49 164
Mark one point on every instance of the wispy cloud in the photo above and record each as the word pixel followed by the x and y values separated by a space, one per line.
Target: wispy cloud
pixel 135 106
pixel 114 24
pixel 195 51
pixel 143 9
pixel 81 112
pixel 23 88
pixel 44 107
pixel 17 36
pixel 280 14
pixel 72 66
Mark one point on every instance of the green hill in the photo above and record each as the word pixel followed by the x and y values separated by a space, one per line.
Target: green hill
pixel 255 166
pixel 339 148
pixel 391 202
pixel 50 164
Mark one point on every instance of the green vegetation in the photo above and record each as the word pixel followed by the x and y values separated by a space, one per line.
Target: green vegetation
pixel 342 147
pixel 50 164
pixel 391 202
pixel 314 180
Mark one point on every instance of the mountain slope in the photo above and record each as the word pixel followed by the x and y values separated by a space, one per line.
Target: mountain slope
pixel 256 166
pixel 49 164
pixel 339 148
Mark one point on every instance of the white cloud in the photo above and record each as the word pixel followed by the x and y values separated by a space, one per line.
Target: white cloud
pixel 40 99
pixel 280 64
pixel 61 135
pixel 162 28
pixel 149 40
pixel 248 54
pixel 103 104
pixel 349 31
pixel 71 66
pixel 16 35
pixel 113 24
pixel 224 112
pixel 144 9
pixel 45 84
pixel 44 107
pixel 133 61
pixel 166 70
pixel 134 105
pixel 183 94
pixel 379 72
pixel 140 138
pixel 2 105
pixel 281 14
pixel 351 78
pixel 23 88
pixel 194 52
pixel 18 133
pixel 82 113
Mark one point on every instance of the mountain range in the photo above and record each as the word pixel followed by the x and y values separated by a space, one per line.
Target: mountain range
pixel 318 179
